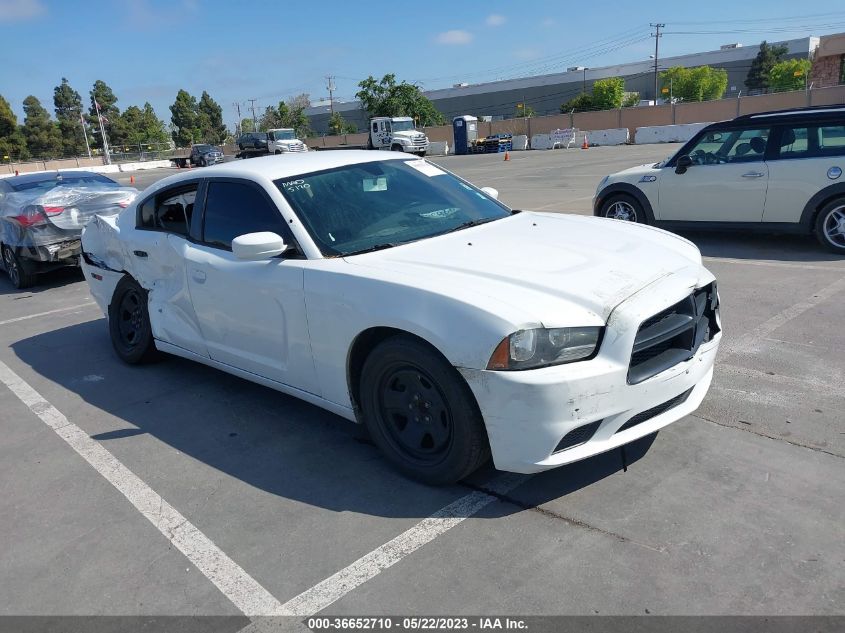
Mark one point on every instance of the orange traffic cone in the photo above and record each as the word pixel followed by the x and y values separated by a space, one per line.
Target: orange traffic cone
pixel 507 155
pixel 586 145
pixel 131 180
pixel 17 173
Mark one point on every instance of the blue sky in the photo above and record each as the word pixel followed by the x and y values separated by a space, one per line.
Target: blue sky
pixel 146 50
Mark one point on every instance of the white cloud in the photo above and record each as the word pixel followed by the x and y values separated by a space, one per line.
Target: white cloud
pixel 455 36
pixel 19 10
pixel 495 19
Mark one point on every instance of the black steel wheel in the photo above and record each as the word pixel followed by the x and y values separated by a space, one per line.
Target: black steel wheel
pixel 420 412
pixel 129 323
pixel 17 271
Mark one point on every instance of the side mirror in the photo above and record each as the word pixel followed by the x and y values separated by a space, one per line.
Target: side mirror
pixel 493 193
pixel 682 164
pixel 257 246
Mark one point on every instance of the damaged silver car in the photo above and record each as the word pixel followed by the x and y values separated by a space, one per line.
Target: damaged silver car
pixel 42 216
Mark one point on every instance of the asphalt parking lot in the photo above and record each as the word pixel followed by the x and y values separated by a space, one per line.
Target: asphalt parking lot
pixel 248 501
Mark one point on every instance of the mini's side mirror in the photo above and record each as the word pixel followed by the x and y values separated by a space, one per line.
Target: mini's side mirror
pixel 257 246
pixel 682 164
pixel 493 193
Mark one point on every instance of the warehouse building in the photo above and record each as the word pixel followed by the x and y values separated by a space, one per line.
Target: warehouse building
pixel 545 93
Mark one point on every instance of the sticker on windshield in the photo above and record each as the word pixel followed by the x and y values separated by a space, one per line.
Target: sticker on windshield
pixel 424 167
pixel 440 213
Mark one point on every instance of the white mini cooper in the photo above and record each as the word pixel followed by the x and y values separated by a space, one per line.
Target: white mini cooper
pixel 775 171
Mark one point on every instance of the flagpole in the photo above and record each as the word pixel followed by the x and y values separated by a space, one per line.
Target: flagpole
pixel 84 133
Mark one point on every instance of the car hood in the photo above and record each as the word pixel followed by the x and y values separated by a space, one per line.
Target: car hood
pixel 408 134
pixel 633 174
pixel 555 269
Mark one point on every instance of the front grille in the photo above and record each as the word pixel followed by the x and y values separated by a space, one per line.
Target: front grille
pixel 674 335
pixel 655 411
pixel 577 436
pixel 296 147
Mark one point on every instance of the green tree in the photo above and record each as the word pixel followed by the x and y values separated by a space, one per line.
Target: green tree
pixel 582 103
pixel 247 126
pixel 12 142
pixel 268 121
pixel 210 120
pixel 339 125
pixel 143 127
pixel 761 67
pixel 385 97
pixel 608 93
pixel 695 84
pixel 103 95
pixel 631 99
pixel 523 110
pixel 43 139
pixel 790 74
pixel 68 106
pixel 185 119
pixel 290 113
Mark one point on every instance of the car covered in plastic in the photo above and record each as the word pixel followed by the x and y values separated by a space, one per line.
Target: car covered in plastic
pixel 42 216
pixel 393 293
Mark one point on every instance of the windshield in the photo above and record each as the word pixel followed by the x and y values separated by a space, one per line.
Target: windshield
pixel 204 148
pixel 402 126
pixel 282 135
pixel 46 185
pixel 361 207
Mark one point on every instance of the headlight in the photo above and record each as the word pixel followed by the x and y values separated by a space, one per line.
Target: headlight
pixel 542 347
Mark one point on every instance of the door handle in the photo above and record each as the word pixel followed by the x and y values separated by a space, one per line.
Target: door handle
pixel 140 253
pixel 753 174
pixel 198 275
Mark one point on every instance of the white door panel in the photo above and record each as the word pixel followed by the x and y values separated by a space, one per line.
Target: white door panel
pixel 792 182
pixel 732 192
pixel 252 314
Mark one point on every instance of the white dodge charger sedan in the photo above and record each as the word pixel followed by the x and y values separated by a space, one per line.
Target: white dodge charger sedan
pixel 400 296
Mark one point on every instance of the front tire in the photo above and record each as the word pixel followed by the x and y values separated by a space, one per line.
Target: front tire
pixel 129 323
pixel 19 274
pixel 830 226
pixel 420 412
pixel 622 207
pixel 396 148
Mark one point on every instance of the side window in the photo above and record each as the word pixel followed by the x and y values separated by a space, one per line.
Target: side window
pixel 169 211
pixel 233 209
pixel 730 146
pixel 799 142
pixel 375 126
pixel 832 140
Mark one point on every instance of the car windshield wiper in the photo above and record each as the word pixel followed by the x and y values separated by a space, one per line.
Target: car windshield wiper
pixel 375 247
pixel 468 224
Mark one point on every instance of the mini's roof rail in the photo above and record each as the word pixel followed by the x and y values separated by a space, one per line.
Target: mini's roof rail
pixel 793 111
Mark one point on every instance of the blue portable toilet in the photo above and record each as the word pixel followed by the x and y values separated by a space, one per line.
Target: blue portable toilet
pixel 465 131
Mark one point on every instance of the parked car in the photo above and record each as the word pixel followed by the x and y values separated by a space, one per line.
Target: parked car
pixel 395 294
pixel 204 155
pixel 42 216
pixel 774 171
pixel 253 140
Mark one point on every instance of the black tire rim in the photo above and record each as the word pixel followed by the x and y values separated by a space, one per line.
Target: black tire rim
pixel 11 265
pixel 834 227
pixel 130 318
pixel 414 414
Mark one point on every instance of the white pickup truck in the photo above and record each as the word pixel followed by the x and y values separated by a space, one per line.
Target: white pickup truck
pixel 283 140
pixel 397 134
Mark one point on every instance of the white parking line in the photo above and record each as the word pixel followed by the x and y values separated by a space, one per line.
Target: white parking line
pixel 237 585
pixel 41 314
pixel 749 262
pixel 337 585
pixel 747 340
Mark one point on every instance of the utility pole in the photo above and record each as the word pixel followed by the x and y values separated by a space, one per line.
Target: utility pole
pixel 331 87
pixel 656 35
pixel 584 84
pixel 254 120
pixel 238 108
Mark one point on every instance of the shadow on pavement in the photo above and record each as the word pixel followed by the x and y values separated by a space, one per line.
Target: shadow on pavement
pixel 266 439
pixel 755 245
pixel 44 281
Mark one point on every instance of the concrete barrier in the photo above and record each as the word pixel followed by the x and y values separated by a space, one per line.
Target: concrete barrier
pixel 438 148
pixel 667 133
pixel 615 136
pixel 149 164
pixel 541 141
pixel 519 142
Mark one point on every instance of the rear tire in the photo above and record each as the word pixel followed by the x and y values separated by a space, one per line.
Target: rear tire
pixel 622 207
pixel 19 273
pixel 396 148
pixel 420 412
pixel 129 324
pixel 830 226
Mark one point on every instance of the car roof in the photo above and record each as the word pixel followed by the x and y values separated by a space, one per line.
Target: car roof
pixel 792 115
pixel 286 165
pixel 43 176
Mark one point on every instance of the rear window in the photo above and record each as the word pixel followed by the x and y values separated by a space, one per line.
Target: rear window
pixel 47 184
